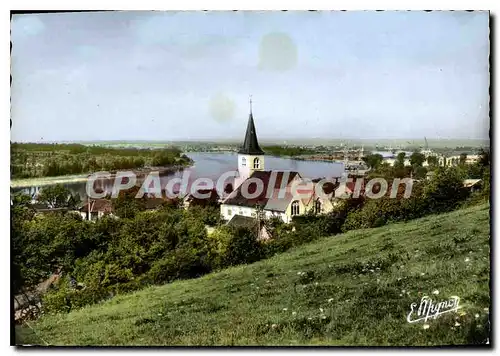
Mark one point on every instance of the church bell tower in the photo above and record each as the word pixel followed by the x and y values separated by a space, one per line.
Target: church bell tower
pixel 250 156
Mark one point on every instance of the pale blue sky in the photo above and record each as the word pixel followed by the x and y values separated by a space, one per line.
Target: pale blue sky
pixel 187 75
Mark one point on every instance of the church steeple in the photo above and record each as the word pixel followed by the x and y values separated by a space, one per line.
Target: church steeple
pixel 251 145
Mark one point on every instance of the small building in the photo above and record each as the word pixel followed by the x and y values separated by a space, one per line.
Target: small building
pixel 153 203
pixel 473 185
pixel 203 198
pixel 250 223
pixel 95 209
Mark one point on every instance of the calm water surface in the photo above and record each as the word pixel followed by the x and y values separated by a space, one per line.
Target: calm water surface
pixel 213 165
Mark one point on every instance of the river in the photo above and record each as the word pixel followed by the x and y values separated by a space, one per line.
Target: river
pixel 213 165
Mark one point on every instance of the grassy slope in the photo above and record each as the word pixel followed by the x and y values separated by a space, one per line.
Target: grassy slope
pixel 239 306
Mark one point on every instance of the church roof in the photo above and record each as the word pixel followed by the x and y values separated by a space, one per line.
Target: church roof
pixel 262 200
pixel 251 145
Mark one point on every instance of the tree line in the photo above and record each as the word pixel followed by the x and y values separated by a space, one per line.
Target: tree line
pixel 30 160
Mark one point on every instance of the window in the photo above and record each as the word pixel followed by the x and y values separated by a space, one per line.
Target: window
pixel 243 161
pixel 295 208
pixel 256 163
pixel 317 206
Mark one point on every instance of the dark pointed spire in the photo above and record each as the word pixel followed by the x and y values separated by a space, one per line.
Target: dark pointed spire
pixel 251 145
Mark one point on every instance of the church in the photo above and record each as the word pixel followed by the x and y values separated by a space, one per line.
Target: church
pixel 275 198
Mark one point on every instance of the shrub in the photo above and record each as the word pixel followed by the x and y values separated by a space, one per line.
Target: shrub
pixel 63 299
pixel 242 247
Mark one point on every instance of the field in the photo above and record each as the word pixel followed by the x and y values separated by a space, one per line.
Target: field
pixel 350 289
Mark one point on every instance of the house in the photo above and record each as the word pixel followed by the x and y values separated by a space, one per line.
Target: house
pixel 455 160
pixel 152 203
pixel 202 197
pixel 239 221
pixel 265 192
pixel 473 184
pixel 94 209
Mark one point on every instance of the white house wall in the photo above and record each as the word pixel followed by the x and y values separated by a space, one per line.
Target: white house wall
pixel 228 211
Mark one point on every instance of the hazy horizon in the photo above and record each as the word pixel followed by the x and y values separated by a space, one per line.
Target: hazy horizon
pixel 186 76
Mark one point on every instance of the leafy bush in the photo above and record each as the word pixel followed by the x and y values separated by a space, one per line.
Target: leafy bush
pixel 242 247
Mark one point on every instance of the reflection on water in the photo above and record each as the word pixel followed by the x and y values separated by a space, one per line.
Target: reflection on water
pixel 212 166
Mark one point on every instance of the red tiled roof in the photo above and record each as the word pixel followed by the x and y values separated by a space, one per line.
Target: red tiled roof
pixel 237 198
pixel 192 199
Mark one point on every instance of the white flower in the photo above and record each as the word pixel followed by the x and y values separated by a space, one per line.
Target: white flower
pixel 316 283
pixel 159 314
pixel 457 323
pixel 285 309
pixel 422 274
pixel 486 309
pixel 274 326
pixel 436 292
pixel 477 315
pixel 309 318
pixel 321 310
pixel 330 300
pixel 400 295
pixel 426 326
pixel 323 317
pixel 467 259
pixel 403 291
pixel 294 313
pixel 399 278
pixel 372 271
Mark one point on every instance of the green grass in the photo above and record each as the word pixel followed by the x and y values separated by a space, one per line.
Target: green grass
pixel 364 281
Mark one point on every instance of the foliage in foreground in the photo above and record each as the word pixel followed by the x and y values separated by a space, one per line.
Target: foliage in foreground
pixel 144 248
pixel 351 289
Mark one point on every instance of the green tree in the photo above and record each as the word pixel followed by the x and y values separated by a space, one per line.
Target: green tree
pixel 433 161
pixel 445 190
pixel 373 160
pixel 463 158
pixel 417 159
pixel 400 160
pixel 126 205
pixel 56 196
pixel 484 158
